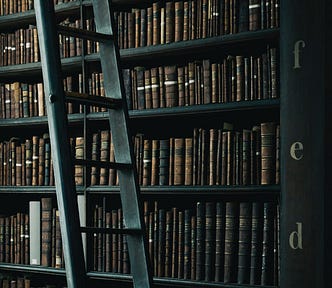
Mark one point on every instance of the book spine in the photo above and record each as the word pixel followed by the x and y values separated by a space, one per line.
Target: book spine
pixel 46 231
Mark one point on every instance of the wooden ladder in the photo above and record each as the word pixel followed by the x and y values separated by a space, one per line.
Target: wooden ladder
pixel 63 163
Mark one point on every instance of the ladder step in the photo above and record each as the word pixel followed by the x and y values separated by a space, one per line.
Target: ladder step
pixel 88 99
pixel 128 231
pixel 102 164
pixel 85 34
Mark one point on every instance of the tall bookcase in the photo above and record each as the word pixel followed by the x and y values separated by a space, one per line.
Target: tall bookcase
pixel 214 221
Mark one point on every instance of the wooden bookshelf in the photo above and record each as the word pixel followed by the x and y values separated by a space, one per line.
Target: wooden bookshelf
pixel 165 121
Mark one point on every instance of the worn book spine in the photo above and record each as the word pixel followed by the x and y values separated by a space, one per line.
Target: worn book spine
pixel 147 158
pixel 179 262
pixel 104 155
pixel 155 160
pixel 179 161
pixel 245 220
pixel 35 160
pixel 188 173
pixel 161 242
pixel 268 154
pixel 156 23
pixel 210 244
pixel 231 241
pixel 200 240
pixel 168 244
pixel 267 276
pixel 169 22
pixel 164 162
pixel 46 231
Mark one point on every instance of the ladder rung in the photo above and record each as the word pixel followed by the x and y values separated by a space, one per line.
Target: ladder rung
pixel 102 164
pixel 128 231
pixel 88 99
pixel 85 34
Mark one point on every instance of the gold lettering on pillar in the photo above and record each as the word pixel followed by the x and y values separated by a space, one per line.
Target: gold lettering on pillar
pixel 295 238
pixel 297 49
pixel 296 151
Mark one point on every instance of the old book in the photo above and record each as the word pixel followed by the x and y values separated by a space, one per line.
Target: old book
pixel 35 232
pixel 149 26
pixel 255 145
pixel 79 154
pixel 143 26
pixel 46 231
pixel 206 81
pixel 245 212
pixel 155 238
pixel 147 89
pixel 246 157
pixel 18 164
pixel 187 244
pixel 268 154
pixel 193 248
pixel 161 242
pixel 47 159
pixel 240 78
pixel 58 242
pixel 155 162
pixel 168 244
pixel 2 238
pixel 120 242
pixel 267 275
pixel 35 160
pixel 178 269
pixel 188 173
pixel 175 244
pixel 156 22
pixel 164 162
pixel 147 158
pixel 113 175
pixel 181 86
pixel 178 21
pixel 155 87
pixel 256 243
pixel 254 14
pixel 171 85
pixel 231 241
pixel 213 156
pixel 179 161
pixel 210 244
pixel 137 21
pixel 169 22
pixel 114 241
pixel 243 15
pixel 220 241
pixel 200 240
pixel 104 155
pixel 277 157
pixel 127 83
pixel 41 162
pixel 95 150
pixel 140 89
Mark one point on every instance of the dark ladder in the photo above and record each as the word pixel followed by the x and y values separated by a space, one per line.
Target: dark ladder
pixel 55 98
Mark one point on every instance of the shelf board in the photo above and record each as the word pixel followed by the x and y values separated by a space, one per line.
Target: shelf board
pixel 169 282
pixel 180 111
pixel 32 71
pixel 18 20
pixel 36 269
pixel 33 189
pixel 194 110
pixel 37 121
pixel 184 48
pixel 263 190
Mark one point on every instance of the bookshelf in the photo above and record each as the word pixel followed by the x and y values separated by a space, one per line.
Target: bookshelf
pixel 177 123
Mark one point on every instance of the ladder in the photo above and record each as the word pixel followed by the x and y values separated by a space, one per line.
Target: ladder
pixel 55 98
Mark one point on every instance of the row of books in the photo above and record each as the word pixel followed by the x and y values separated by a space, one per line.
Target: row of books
pixel 32 238
pixel 18 6
pixel 18 100
pixel 171 21
pixel 208 157
pixel 215 241
pixel 235 78
pixel 220 241
pixel 9 281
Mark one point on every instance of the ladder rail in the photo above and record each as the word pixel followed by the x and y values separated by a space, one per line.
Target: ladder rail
pixel 129 188
pixel 58 123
